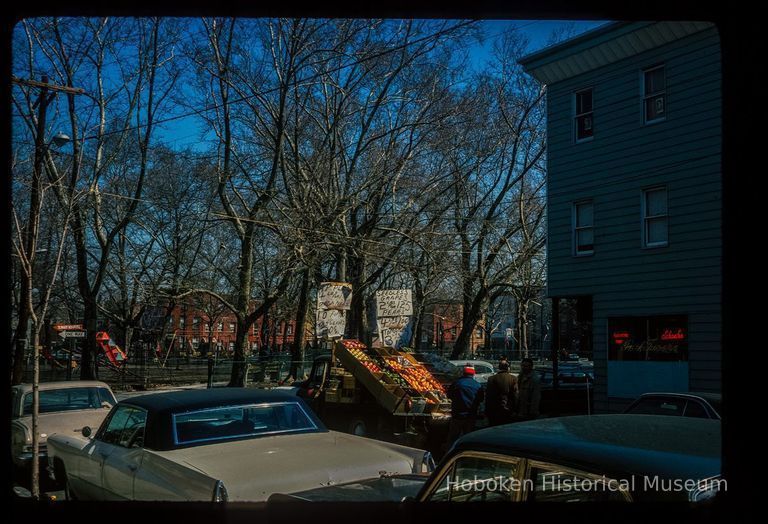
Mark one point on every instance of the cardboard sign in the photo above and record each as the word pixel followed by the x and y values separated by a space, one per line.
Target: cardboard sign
pixel 394 331
pixel 334 295
pixel 330 323
pixel 394 303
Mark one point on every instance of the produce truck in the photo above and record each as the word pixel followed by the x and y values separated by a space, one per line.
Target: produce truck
pixel 379 393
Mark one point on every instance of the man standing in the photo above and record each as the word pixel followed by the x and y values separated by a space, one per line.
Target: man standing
pixel 466 394
pixel 501 396
pixel 529 391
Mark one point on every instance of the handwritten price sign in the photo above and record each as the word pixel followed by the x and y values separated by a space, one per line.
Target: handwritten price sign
pixel 334 295
pixel 330 323
pixel 394 303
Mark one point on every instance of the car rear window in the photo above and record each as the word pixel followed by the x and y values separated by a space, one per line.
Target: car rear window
pixel 657 406
pixel 229 422
pixel 69 399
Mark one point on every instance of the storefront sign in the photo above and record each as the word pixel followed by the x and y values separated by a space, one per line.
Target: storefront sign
pixel 659 338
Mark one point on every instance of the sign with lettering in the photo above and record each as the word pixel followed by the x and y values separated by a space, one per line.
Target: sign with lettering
pixel 334 295
pixel 72 334
pixel 394 331
pixel 394 303
pixel 68 327
pixel 330 323
pixel 658 338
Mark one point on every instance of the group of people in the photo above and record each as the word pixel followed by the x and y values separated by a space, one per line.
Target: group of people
pixel 508 398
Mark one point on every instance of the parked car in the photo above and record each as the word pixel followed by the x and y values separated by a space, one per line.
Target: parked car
pixel 583 458
pixel 700 405
pixel 218 444
pixel 64 408
pixel 574 390
pixel 483 370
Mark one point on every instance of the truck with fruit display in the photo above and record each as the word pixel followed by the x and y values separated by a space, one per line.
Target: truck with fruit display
pixel 380 393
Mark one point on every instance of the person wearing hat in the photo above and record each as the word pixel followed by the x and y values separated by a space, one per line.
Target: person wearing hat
pixel 466 394
pixel 501 396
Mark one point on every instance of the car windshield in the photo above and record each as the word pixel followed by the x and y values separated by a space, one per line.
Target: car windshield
pixel 240 421
pixel 69 399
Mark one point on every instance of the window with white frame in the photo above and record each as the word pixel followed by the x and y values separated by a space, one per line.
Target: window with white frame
pixel 583 228
pixel 654 94
pixel 232 327
pixel 289 330
pixel 583 122
pixel 655 217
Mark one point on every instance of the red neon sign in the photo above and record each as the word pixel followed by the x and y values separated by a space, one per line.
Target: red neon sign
pixel 620 337
pixel 668 334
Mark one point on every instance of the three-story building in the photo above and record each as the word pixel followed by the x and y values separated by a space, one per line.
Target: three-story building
pixel 634 201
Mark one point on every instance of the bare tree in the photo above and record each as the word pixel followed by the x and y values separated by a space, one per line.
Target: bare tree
pixel 495 187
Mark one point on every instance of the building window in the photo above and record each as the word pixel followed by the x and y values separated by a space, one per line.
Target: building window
pixel 655 218
pixel 583 115
pixel 289 330
pixel 583 228
pixel 654 95
pixel 479 333
pixel 232 327
pixel 196 322
pixel 453 332
pixel 181 322
pixel 195 343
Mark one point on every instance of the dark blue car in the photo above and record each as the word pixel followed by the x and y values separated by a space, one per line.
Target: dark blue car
pixel 583 458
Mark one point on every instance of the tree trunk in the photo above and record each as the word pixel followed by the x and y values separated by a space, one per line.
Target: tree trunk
pixel 356 315
pixel 418 293
pixel 88 370
pixel 22 332
pixel 297 351
pixel 237 378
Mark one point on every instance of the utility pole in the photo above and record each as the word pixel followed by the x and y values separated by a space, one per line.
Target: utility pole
pixel 27 259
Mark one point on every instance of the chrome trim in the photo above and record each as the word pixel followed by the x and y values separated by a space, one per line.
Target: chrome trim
pixel 220 492
pixel 176 442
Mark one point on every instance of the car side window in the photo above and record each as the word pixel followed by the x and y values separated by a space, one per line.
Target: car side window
pixel 125 427
pixel 553 483
pixel 474 478
pixel 656 406
pixel 695 409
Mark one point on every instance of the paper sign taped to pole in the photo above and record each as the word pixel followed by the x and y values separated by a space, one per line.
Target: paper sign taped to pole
pixel 394 303
pixel 334 295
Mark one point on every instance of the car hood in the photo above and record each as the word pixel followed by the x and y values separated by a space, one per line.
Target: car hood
pixel 65 423
pixel 254 469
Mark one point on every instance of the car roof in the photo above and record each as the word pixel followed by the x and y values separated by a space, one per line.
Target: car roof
pixel 196 399
pixel 472 362
pixel 670 447
pixel 714 397
pixel 161 407
pixel 63 384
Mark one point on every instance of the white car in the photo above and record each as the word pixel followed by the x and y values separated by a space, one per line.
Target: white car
pixel 220 444
pixel 65 408
pixel 483 370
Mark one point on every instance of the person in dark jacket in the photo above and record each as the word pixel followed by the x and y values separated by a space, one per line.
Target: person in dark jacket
pixel 501 396
pixel 529 391
pixel 466 394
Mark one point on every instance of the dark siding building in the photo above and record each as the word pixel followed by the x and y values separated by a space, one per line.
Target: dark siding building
pixel 634 201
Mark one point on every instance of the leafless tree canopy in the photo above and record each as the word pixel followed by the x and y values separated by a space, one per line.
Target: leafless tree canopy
pixel 367 151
